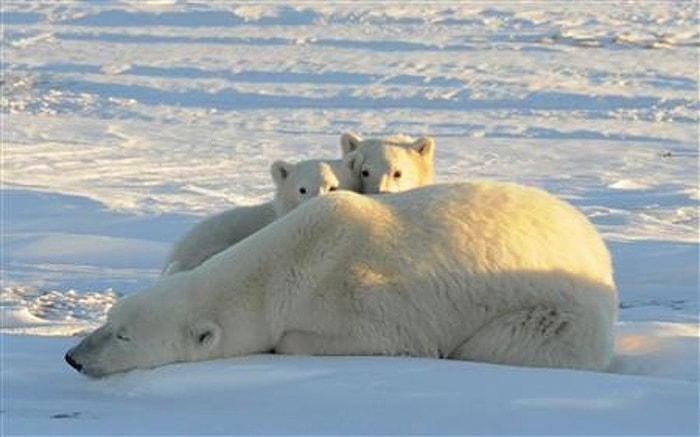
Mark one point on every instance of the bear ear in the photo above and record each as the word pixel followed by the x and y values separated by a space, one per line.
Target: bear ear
pixel 205 334
pixel 425 146
pixel 349 142
pixel 280 171
pixel 353 162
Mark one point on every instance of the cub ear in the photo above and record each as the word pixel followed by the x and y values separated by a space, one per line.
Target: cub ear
pixel 425 146
pixel 280 171
pixel 353 162
pixel 349 142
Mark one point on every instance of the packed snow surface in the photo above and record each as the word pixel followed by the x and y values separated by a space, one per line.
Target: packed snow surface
pixel 126 122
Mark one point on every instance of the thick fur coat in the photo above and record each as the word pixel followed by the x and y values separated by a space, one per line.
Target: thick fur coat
pixel 294 184
pixel 390 164
pixel 481 271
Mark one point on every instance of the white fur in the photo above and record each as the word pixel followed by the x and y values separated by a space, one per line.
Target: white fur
pixel 391 164
pixel 220 231
pixel 476 271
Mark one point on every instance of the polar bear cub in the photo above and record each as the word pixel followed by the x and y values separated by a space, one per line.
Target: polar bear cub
pixel 295 183
pixel 482 271
pixel 391 164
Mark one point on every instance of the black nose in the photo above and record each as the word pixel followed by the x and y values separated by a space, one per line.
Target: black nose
pixel 74 364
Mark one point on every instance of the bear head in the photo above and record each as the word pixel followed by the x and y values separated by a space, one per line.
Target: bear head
pixel 304 180
pixel 169 322
pixel 388 165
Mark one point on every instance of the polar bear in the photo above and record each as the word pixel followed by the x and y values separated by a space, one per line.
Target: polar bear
pixel 391 164
pixel 295 183
pixel 483 271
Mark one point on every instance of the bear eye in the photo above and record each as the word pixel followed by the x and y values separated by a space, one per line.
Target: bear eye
pixel 397 174
pixel 332 188
pixel 302 190
pixel 123 337
pixel 365 173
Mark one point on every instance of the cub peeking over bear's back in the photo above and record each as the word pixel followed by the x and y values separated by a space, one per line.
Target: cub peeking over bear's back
pixel 373 165
pixel 390 164
pixel 295 183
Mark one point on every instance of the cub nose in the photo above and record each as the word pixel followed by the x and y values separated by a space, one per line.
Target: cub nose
pixel 74 364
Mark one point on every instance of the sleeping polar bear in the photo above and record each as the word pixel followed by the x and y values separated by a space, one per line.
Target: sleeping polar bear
pixel 480 271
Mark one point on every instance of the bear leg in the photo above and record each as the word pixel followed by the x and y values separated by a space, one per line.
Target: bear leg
pixel 302 342
pixel 299 342
pixel 539 337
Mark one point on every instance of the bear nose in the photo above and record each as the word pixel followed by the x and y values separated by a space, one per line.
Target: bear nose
pixel 74 364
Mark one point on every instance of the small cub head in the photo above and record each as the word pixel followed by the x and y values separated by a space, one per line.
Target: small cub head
pixel 297 183
pixel 388 165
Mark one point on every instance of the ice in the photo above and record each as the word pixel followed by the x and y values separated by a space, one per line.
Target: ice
pixel 126 122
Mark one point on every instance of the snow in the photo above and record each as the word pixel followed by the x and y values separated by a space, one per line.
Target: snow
pixel 339 395
pixel 126 122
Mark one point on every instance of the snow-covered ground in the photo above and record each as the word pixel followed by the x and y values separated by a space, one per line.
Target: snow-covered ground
pixel 124 123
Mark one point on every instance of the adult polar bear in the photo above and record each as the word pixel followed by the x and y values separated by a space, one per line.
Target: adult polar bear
pixel 481 271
